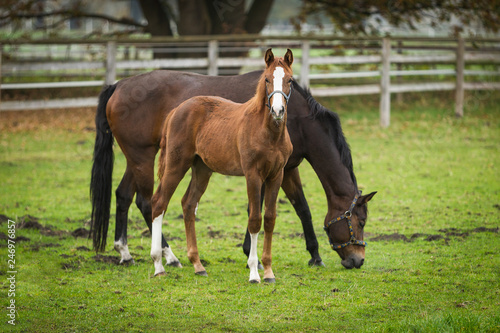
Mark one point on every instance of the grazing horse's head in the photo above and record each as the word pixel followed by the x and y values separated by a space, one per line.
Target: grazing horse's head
pixel 346 232
pixel 278 80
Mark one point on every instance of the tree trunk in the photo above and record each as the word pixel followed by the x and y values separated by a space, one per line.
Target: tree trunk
pixel 193 18
pixel 257 16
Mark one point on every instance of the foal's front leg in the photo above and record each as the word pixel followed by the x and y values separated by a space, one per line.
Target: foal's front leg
pixel 271 195
pixel 254 185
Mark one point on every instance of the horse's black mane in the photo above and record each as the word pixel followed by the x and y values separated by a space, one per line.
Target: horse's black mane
pixel 318 111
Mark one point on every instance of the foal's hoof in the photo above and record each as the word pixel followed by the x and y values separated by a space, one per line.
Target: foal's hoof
pixel 175 264
pixel 316 262
pixel 254 281
pixel 201 273
pixel 269 280
pixel 160 274
pixel 129 262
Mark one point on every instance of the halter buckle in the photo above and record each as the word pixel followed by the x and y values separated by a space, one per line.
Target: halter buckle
pixel 348 214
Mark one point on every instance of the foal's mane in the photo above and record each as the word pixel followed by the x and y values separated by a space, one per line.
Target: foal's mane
pixel 326 116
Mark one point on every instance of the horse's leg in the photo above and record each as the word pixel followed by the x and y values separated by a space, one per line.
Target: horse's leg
pixel 246 242
pixel 146 210
pixel 124 196
pixel 270 197
pixel 196 188
pixel 254 187
pixel 172 176
pixel 292 187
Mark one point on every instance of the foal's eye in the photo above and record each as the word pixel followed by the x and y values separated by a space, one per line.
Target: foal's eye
pixel 267 81
pixel 290 81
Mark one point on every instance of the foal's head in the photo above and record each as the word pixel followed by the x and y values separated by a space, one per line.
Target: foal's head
pixel 278 80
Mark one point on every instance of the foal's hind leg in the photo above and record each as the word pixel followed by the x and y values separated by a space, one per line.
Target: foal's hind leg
pixel 196 188
pixel 146 210
pixel 171 178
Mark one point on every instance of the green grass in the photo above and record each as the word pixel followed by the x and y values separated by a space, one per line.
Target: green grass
pixel 435 176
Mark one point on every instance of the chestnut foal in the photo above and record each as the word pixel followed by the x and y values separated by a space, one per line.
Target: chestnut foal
pixel 213 134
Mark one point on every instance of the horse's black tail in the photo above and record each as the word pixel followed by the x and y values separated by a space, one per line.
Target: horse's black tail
pixel 102 171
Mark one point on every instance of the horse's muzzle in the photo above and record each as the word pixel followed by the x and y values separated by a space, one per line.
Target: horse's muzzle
pixel 278 114
pixel 353 262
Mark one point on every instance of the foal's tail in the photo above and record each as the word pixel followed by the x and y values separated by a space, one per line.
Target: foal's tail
pixel 102 171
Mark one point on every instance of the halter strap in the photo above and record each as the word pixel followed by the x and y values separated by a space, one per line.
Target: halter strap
pixel 347 216
pixel 287 97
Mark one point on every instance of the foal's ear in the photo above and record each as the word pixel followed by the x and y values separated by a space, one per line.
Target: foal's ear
pixel 269 57
pixel 365 198
pixel 288 57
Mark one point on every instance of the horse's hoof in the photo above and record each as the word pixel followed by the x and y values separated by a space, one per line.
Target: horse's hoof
pixel 269 280
pixel 160 274
pixel 254 281
pixel 175 264
pixel 127 262
pixel 201 273
pixel 316 262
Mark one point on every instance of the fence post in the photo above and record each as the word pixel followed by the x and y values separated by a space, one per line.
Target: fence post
pixel 110 62
pixel 304 69
pixel 399 67
pixel 385 81
pixel 213 55
pixel 459 85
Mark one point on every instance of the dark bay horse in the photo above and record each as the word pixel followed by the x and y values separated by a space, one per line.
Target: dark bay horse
pixel 212 134
pixel 133 111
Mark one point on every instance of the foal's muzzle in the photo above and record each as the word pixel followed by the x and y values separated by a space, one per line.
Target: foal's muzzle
pixel 278 114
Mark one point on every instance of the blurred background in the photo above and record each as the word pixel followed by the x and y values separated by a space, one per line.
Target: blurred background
pixel 58 54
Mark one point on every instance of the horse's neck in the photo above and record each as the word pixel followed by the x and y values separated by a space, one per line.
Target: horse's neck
pixel 333 174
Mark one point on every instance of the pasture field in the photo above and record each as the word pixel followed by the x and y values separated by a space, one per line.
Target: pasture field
pixel 432 259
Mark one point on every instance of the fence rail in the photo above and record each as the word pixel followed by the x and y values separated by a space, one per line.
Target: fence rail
pixel 325 63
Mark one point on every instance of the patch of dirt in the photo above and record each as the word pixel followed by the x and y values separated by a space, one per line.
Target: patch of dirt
pixel 82 248
pixel 4 218
pixel 31 222
pixel 296 235
pixel 483 229
pixel 448 232
pixel 391 237
pixel 17 239
pixel 81 232
pixel 227 260
pixel 215 234
pixel 38 246
pixel 431 238
pixel 107 259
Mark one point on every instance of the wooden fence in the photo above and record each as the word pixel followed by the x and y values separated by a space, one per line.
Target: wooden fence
pixel 331 66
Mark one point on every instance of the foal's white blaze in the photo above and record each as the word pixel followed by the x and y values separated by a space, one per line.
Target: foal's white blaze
pixel 122 248
pixel 277 104
pixel 253 260
pixel 156 250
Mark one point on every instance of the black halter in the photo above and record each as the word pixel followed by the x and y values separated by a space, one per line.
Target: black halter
pixel 287 97
pixel 347 216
